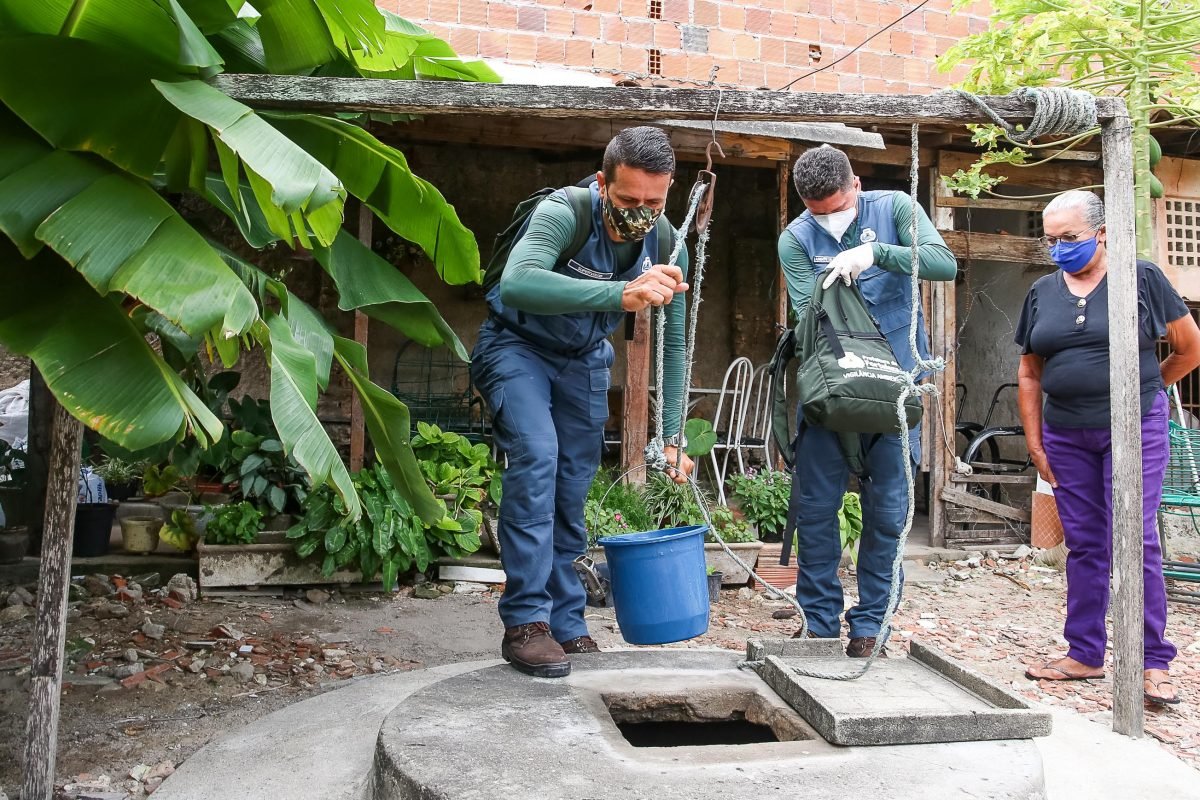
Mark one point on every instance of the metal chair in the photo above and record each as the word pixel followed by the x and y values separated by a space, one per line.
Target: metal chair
pixel 754 437
pixel 1181 490
pixel 727 421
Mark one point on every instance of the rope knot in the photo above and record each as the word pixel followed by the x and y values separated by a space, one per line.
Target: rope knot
pixel 654 454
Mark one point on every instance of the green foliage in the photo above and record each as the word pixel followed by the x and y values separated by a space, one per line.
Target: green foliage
pixel 258 465
pixel 763 497
pixel 236 523
pixel 116 134
pixel 179 530
pixel 974 181
pixel 850 523
pixel 614 508
pixel 157 480
pixel 731 529
pixel 671 504
pixel 1141 50
pixel 701 437
pixel 462 473
pixel 115 471
pixel 391 537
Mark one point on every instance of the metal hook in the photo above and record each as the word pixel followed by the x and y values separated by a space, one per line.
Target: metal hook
pixel 708 153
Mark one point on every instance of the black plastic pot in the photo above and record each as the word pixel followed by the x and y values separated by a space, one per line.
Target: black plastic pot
pixel 121 491
pixel 93 528
pixel 714 586
pixel 14 544
pixel 12 501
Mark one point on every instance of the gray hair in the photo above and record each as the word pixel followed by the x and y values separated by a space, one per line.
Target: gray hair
pixel 1088 203
pixel 821 172
pixel 642 148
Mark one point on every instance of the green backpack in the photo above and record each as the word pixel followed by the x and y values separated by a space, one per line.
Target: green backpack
pixel 848 381
pixel 581 203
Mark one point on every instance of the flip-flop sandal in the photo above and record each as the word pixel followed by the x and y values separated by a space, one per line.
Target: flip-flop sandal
pixel 1159 699
pixel 1066 676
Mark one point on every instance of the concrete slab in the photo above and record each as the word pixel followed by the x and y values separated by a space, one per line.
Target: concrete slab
pixel 319 748
pixel 496 733
pixel 924 698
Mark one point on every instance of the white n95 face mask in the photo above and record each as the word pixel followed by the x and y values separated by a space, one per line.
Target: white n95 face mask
pixel 838 222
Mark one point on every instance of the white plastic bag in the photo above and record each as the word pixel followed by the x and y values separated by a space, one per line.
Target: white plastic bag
pixel 14 413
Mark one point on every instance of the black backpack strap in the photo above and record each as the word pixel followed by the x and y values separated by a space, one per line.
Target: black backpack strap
pixel 581 203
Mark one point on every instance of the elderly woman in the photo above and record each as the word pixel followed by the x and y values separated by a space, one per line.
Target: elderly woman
pixel 1063 335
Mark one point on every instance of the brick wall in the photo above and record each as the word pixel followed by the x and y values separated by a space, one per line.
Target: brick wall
pixel 756 43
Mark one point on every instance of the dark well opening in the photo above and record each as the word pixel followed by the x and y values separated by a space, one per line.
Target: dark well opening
pixel 695 734
pixel 702 718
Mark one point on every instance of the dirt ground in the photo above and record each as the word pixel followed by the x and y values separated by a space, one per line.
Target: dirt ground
pixel 125 725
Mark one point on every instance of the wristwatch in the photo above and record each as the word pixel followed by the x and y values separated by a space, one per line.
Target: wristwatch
pixel 678 440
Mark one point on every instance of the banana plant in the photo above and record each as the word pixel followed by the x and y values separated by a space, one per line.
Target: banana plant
pixel 1142 50
pixel 106 119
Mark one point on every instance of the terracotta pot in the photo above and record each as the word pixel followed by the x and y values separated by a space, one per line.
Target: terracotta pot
pixel 140 534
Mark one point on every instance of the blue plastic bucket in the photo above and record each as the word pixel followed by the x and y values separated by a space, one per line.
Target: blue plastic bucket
pixel 659 585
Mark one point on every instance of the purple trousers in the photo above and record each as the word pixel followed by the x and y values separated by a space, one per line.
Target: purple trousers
pixel 1081 459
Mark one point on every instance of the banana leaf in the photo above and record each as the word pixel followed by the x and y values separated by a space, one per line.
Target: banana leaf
pixel 95 361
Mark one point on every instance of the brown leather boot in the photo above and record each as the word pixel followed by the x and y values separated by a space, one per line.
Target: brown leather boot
pixel 862 646
pixel 581 645
pixel 531 649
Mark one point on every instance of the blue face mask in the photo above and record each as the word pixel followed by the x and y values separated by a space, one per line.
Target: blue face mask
pixel 1074 256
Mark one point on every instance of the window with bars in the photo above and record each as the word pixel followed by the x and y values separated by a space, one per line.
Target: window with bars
pixel 1183 232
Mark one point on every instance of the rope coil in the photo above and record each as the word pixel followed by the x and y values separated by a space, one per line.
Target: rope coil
pixel 1056 110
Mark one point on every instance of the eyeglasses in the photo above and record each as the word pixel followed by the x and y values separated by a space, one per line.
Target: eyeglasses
pixel 1069 238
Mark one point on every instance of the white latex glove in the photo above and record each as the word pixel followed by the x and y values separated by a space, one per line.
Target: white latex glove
pixel 849 264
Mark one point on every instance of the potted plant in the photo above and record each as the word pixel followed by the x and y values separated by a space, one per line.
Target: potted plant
pixel 120 477
pixel 235 523
pixel 740 538
pixel 714 583
pixel 258 469
pixel 763 497
pixel 94 516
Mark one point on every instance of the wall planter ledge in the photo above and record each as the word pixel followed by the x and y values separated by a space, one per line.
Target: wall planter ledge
pixel 271 561
pixel 732 574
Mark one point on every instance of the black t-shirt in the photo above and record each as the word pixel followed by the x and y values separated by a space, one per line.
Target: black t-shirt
pixel 1071 334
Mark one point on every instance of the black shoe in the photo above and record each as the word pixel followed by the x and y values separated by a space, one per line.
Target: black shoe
pixel 862 646
pixel 531 649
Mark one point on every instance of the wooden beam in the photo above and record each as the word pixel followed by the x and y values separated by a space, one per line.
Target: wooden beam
pixel 784 175
pixel 570 134
pixel 451 97
pixel 50 621
pixel 358 430
pixel 997 247
pixel 892 154
pixel 635 400
pixel 1019 480
pixel 992 204
pixel 961 498
pixel 1125 402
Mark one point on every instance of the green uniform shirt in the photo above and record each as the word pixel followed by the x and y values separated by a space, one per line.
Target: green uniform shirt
pixel 530 284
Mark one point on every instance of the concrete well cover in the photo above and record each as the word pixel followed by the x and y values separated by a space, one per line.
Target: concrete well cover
pixel 926 697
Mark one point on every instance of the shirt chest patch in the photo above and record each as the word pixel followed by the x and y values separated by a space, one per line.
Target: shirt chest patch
pixel 822 259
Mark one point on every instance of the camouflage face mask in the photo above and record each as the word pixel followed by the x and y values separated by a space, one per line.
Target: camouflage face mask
pixel 631 224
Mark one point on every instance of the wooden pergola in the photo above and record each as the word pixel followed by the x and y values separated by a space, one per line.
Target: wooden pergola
pixel 936 113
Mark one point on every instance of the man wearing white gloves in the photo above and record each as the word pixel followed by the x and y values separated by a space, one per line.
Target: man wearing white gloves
pixel 852 235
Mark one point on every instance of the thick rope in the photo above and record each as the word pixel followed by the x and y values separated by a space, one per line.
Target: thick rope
pixel 654 452
pixel 1056 110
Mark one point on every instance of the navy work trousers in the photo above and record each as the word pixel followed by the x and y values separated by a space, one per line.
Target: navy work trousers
pixel 548 414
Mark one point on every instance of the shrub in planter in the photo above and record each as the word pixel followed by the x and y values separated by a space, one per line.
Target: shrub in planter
pixel 612 509
pixel 670 504
pixel 763 496
pixel 236 523
pixel 731 529
pixel 120 477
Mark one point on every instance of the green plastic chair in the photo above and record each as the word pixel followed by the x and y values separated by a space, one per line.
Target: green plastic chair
pixel 1180 497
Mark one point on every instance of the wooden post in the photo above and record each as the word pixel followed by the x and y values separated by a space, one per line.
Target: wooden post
pixel 358 431
pixel 635 401
pixel 1125 399
pixel 785 183
pixel 943 330
pixel 50 624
